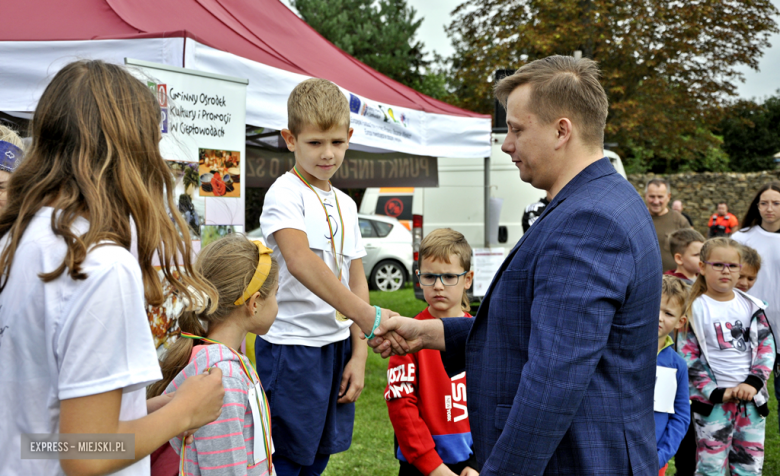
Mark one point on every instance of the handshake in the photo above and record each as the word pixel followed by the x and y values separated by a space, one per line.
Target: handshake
pixel 398 335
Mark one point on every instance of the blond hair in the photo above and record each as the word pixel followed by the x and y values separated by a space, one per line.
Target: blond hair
pixel 10 136
pixel 675 290
pixel 563 86
pixel 229 264
pixel 317 102
pixel 751 258
pixel 442 243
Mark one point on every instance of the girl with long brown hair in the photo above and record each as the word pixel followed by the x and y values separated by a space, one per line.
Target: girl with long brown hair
pixel 729 351
pixel 76 346
pixel 762 232
pixel 246 278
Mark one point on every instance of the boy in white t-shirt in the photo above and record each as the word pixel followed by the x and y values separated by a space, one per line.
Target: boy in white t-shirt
pixel 312 361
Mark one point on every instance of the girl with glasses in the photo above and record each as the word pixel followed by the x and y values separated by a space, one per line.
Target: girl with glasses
pixel 729 350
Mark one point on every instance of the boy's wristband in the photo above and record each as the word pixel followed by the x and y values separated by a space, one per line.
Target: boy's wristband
pixel 376 322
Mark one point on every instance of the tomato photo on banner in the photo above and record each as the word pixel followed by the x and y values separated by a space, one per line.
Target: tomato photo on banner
pixel 219 173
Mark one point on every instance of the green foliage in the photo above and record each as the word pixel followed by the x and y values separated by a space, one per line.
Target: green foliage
pixel 371 453
pixel 667 67
pixel 378 33
pixel 751 134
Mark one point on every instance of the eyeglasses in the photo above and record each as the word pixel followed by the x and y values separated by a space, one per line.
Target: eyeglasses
pixel 721 266
pixel 448 279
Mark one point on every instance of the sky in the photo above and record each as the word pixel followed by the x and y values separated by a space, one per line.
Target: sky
pixel 436 15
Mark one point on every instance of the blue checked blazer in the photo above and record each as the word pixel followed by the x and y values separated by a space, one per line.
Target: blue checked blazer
pixel 561 355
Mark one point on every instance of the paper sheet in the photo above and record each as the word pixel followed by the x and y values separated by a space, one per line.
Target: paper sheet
pixel 665 389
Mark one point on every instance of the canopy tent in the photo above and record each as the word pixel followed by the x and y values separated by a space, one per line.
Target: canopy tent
pixel 261 40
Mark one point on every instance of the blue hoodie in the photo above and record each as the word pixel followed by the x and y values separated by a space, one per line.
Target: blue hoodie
pixel 670 428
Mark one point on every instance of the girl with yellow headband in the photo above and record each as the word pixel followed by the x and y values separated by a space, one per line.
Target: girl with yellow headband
pixel 239 440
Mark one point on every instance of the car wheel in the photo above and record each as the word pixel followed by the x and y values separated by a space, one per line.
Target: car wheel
pixel 388 276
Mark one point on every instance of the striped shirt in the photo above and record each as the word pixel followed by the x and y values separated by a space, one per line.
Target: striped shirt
pixel 224 447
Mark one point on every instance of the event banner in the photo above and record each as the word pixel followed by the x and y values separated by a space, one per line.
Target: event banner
pixel 359 169
pixel 203 140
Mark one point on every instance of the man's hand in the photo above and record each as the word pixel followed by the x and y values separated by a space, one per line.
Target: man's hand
pixel 352 380
pixel 398 335
pixel 442 470
pixel 385 315
pixel 468 471
pixel 744 392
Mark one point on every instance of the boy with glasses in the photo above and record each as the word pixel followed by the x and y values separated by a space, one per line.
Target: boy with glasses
pixel 427 407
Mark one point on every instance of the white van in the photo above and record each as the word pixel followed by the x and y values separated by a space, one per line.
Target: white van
pixel 458 201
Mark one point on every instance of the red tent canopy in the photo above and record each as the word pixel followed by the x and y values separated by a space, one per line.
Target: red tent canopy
pixel 265 31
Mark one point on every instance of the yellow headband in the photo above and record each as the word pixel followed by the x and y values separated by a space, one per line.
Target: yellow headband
pixel 261 273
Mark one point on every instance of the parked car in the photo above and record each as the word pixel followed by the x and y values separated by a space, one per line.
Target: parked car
pixel 388 263
pixel 458 201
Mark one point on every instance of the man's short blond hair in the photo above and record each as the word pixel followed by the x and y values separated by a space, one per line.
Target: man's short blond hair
pixel 563 86
pixel 317 102
pixel 442 243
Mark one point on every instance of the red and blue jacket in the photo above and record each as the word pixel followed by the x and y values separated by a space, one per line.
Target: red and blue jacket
pixel 428 409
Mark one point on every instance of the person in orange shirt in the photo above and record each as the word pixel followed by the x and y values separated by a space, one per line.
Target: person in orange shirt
pixel 722 223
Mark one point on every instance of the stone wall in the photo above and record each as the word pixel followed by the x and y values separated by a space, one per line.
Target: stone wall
pixel 701 192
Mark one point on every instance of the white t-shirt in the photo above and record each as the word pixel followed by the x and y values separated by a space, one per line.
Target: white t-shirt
pixel 304 318
pixel 767 285
pixel 69 338
pixel 726 327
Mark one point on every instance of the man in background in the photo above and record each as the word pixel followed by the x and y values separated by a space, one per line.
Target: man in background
pixel 677 206
pixel 722 223
pixel 666 221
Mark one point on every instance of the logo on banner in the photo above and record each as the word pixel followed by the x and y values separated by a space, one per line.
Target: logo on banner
pixel 389 116
pixel 160 91
pixel 164 121
pixel 356 106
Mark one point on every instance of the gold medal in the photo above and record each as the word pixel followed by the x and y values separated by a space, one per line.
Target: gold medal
pixel 341 317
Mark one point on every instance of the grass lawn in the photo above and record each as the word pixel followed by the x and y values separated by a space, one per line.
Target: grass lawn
pixel 371 453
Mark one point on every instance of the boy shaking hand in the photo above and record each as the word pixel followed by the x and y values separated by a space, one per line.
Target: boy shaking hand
pixel 312 361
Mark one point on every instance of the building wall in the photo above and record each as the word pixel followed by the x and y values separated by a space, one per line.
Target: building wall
pixel 701 192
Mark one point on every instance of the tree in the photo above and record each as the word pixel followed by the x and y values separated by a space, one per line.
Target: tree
pixel 668 67
pixel 751 134
pixel 378 33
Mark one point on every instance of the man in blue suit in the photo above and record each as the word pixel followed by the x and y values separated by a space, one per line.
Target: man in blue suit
pixel 561 355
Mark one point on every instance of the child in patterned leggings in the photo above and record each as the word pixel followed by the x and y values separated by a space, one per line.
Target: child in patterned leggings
pixel 730 352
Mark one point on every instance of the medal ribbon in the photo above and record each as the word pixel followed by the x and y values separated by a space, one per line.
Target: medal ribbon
pixel 327 218
pixel 266 420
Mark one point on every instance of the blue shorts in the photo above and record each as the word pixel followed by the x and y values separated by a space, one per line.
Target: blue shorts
pixel 302 385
